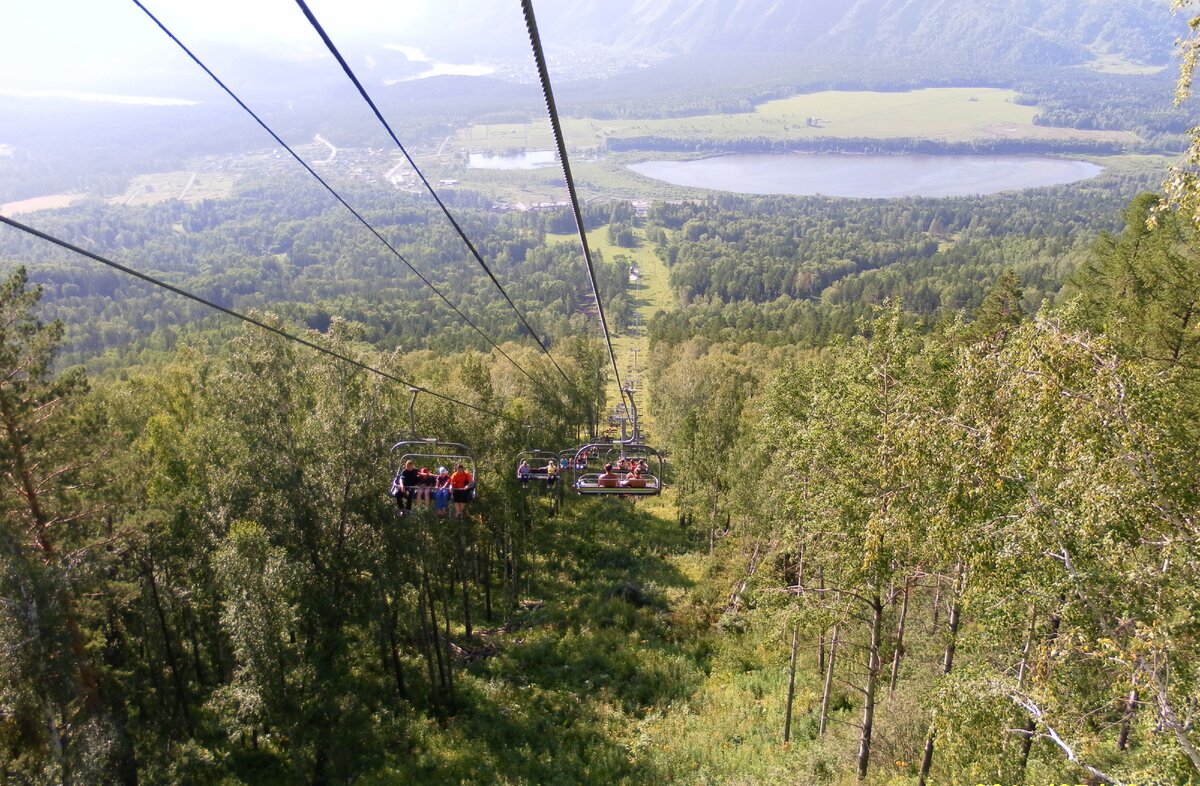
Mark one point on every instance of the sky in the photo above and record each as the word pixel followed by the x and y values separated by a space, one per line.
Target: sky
pixel 106 45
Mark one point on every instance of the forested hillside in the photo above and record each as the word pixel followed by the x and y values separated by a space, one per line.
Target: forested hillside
pixel 290 247
pixel 930 475
pixel 972 538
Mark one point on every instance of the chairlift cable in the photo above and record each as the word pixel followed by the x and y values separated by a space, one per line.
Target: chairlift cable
pixel 333 192
pixel 243 317
pixel 458 228
pixel 544 75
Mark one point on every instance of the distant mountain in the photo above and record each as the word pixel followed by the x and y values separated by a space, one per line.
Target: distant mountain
pixel 1012 32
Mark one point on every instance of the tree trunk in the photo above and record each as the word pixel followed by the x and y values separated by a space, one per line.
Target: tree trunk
pixel 868 721
pixel 431 603
pixel 825 694
pixel 791 689
pixel 487 581
pixel 194 639
pixel 937 604
pixel 947 665
pixel 899 639
pixel 391 620
pixel 1028 727
pixel 1127 722
pixel 445 593
pixel 168 646
pixel 821 637
pixel 43 542
pixel 56 742
pixel 466 586
pixel 428 641
pixel 1031 724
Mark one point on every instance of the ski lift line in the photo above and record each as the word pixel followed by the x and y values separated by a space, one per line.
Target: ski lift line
pixel 238 315
pixel 334 193
pixel 454 222
pixel 544 75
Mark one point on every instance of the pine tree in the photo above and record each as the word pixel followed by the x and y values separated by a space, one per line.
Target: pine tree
pixel 45 527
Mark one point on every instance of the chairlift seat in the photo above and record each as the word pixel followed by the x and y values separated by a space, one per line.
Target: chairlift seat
pixel 592 484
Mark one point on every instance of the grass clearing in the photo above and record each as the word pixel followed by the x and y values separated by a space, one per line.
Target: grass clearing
pixel 1115 64
pixel 651 292
pixel 953 114
pixel 35 204
pixel 189 186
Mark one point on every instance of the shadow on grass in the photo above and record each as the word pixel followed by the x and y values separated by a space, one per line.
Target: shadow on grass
pixel 561 700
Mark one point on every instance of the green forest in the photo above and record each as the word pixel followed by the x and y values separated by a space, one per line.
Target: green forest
pixel 931 505
pixel 932 514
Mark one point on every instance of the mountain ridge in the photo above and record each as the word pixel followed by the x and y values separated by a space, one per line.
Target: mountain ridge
pixel 1012 32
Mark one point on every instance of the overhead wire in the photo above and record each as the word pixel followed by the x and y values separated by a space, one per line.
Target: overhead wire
pixel 334 192
pixel 243 317
pixel 544 75
pixel 450 216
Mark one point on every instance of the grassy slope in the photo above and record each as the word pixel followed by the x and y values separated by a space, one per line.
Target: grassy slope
pixel 620 668
pixel 652 292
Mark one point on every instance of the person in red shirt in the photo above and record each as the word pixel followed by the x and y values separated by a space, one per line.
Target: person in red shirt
pixel 461 486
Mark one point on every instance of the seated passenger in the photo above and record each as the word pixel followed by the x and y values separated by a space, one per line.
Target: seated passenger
pixel 397 491
pixel 551 473
pixel 409 482
pixel 441 492
pixel 634 479
pixel 462 485
pixel 425 482
pixel 610 479
pixel 523 472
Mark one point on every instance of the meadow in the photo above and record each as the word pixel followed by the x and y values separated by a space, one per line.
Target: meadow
pixel 188 186
pixel 952 114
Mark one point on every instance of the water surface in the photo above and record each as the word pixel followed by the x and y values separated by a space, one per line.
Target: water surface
pixel 832 174
pixel 530 159
pixel 436 67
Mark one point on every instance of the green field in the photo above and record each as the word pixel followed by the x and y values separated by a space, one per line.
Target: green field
pixel 955 114
pixel 651 292
pixel 188 186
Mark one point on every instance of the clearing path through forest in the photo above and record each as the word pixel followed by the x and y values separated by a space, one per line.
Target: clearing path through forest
pixel 651 291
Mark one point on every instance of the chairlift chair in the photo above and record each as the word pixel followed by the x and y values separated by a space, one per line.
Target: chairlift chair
pixel 591 481
pixel 539 476
pixel 433 453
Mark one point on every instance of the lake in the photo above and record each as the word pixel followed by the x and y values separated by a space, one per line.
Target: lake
pixel 832 174
pixel 530 159
pixel 435 67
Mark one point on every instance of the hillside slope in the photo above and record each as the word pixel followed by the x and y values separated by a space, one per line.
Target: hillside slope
pixel 1026 31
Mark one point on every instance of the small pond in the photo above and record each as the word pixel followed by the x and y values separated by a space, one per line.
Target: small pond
pixel 530 159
